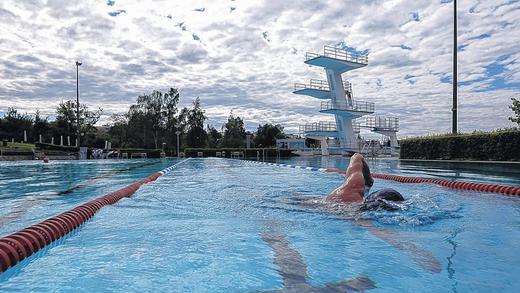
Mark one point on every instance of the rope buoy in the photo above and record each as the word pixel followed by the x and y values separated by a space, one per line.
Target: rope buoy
pixel 20 245
pixel 462 185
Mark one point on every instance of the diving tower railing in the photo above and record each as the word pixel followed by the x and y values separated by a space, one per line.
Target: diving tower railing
pixel 381 123
pixel 355 106
pixel 339 54
pixel 318 127
pixel 321 85
pixel 356 127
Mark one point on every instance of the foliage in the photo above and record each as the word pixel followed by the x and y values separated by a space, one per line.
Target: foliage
pixel 515 107
pixel 153 120
pixel 153 116
pixel 267 134
pixel 499 145
pixel 13 125
pixel 214 137
pixel 54 147
pixel 234 132
pixel 67 120
pixel 196 136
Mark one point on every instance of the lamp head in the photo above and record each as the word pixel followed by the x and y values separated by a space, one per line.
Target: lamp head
pixel 78 63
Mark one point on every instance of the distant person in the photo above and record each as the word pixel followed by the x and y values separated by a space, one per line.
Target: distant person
pixel 356 187
pixel 45 159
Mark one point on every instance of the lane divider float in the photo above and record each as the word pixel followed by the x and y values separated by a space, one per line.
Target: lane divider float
pixel 461 185
pixel 18 246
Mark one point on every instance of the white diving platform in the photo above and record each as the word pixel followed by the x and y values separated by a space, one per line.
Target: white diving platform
pixel 319 129
pixel 336 59
pixel 319 89
pixel 352 110
pixel 381 123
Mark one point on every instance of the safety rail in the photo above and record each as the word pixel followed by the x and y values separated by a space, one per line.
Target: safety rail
pixel 321 85
pixel 339 54
pixel 358 106
pixel 318 126
pixel 356 127
pixel 382 123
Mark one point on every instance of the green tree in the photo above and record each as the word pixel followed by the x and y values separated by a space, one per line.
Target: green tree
pixel 516 109
pixel 153 117
pixel 234 132
pixel 118 131
pixel 40 126
pixel 196 136
pixel 267 134
pixel 13 125
pixel 214 137
pixel 66 119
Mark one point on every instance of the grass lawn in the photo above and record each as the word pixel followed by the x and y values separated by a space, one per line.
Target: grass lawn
pixel 18 146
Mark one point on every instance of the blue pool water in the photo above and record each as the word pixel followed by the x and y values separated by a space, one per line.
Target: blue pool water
pixel 218 225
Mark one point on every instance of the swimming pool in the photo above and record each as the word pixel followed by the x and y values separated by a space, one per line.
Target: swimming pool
pixel 218 225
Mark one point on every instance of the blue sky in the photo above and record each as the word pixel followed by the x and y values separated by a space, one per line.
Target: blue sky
pixel 245 56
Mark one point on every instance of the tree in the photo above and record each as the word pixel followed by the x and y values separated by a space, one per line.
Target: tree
pixel 196 136
pixel 13 124
pixel 66 119
pixel 40 126
pixel 267 134
pixel 516 109
pixel 118 130
pixel 214 137
pixel 153 116
pixel 234 132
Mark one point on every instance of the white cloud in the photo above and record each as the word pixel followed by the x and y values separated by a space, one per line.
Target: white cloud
pixel 231 65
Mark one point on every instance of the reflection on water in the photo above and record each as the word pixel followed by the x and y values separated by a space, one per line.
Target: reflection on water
pixel 497 173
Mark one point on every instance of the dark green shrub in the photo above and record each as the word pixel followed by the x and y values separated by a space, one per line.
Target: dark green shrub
pixel 501 145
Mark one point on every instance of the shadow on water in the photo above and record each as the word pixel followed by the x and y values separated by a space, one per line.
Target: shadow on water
pixel 293 269
pixel 22 208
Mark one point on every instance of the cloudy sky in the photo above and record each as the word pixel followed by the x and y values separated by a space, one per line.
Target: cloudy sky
pixel 246 55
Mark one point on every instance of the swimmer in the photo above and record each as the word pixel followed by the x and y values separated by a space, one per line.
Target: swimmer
pixel 356 187
pixel 45 159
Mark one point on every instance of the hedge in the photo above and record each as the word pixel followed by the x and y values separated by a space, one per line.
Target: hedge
pixel 250 153
pixel 54 147
pixel 501 145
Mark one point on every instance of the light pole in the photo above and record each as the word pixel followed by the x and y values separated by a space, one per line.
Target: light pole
pixel 78 64
pixel 178 132
pixel 454 108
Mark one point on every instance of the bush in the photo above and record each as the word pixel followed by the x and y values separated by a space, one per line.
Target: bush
pixel 53 147
pixel 501 145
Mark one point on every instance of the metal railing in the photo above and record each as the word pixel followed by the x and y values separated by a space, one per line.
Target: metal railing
pixel 322 85
pixel 318 126
pixel 358 106
pixel 356 127
pixel 339 54
pixel 382 123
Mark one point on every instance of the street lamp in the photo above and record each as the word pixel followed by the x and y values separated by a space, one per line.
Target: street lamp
pixel 454 127
pixel 78 64
pixel 178 132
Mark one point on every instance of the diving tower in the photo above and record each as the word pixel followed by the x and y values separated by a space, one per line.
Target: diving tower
pixel 340 102
pixel 387 126
pixel 341 136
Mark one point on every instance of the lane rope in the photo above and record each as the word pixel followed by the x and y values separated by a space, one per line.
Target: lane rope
pixel 20 245
pixel 460 185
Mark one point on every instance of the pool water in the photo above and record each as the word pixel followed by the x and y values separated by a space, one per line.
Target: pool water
pixel 219 225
